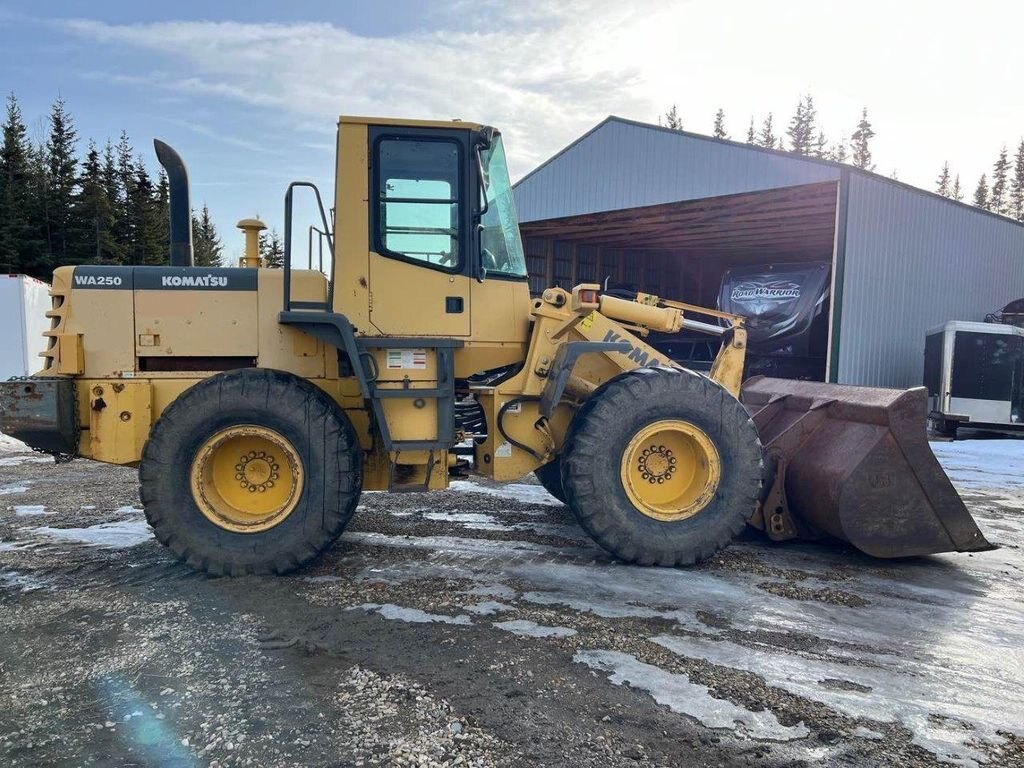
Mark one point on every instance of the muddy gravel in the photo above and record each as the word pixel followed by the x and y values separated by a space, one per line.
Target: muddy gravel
pixel 480 627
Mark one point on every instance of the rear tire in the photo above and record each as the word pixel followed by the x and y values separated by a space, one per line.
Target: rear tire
pixel 550 476
pixel 189 505
pixel 719 457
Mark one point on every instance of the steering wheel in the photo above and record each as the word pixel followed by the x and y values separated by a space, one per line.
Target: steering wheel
pixel 493 264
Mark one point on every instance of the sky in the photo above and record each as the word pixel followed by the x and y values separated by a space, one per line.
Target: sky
pixel 249 93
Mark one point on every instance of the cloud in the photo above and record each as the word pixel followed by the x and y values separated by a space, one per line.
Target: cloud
pixel 534 72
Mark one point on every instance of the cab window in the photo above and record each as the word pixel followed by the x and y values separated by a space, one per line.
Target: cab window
pixel 418 219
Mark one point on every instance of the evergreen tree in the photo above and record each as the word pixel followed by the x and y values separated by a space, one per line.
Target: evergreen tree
pixel 94 213
pixel 839 152
pixel 767 135
pixel 861 143
pixel 112 192
pixel 942 185
pixel 672 119
pixel 802 127
pixel 1017 185
pixel 124 167
pixel 271 249
pixel 61 180
pixel 206 244
pixel 21 248
pixel 719 131
pixel 149 240
pixel 821 149
pixel 751 134
pixel 997 201
pixel 957 193
pixel 981 193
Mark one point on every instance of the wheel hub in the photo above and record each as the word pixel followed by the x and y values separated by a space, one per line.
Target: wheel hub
pixel 670 470
pixel 247 478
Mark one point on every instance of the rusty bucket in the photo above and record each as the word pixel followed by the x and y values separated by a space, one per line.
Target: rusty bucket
pixel 854 463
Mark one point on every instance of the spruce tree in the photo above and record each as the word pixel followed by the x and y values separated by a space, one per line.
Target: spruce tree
pixel 751 134
pixel 719 131
pixel 821 149
pixel 997 201
pixel 672 119
pixel 860 140
pixel 802 127
pixel 957 192
pixel 149 241
pixel 21 248
pixel 206 244
pixel 767 136
pixel 271 250
pixel 981 193
pixel 839 152
pixel 112 192
pixel 61 182
pixel 124 222
pixel 94 213
pixel 942 185
pixel 1017 185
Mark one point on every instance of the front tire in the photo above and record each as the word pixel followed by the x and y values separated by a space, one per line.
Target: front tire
pixel 662 467
pixel 253 471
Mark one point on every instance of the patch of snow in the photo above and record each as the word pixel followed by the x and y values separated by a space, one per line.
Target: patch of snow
pixel 10 445
pixel 322 579
pixel 487 608
pixel 35 458
pixel 676 692
pixel 413 615
pixel 986 464
pixel 116 535
pixel 524 492
pixel 88 506
pixel 460 517
pixel 26 510
pixel 128 510
pixel 526 628
pixel 13 546
pixel 894 694
pixel 13 488
pixel 23 582
pixel 453 544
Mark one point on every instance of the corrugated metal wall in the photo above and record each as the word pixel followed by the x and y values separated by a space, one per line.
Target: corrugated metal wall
pixel 622 164
pixel 914 261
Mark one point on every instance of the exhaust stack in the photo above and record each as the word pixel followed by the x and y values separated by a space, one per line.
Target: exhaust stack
pixel 181 207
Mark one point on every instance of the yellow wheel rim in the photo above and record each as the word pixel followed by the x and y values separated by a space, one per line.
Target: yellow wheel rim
pixel 670 470
pixel 247 478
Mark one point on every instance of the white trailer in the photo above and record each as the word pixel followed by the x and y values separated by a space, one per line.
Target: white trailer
pixel 23 305
pixel 974 373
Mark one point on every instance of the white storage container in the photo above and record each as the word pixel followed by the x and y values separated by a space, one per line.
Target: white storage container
pixel 23 305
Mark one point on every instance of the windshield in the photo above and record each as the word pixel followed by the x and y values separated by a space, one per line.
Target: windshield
pixel 501 248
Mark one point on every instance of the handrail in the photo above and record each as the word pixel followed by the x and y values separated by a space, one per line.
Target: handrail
pixel 288 196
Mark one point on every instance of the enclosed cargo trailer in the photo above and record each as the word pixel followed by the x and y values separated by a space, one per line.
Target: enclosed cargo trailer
pixel 23 305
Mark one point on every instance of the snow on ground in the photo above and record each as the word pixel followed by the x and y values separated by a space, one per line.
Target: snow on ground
pixel 527 628
pixel 524 492
pixel 992 465
pixel 116 535
pixel 10 445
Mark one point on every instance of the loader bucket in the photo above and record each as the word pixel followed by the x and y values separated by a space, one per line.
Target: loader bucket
pixel 854 463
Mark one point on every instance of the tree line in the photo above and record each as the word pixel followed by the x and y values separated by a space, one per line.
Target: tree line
pixel 1004 194
pixel 61 206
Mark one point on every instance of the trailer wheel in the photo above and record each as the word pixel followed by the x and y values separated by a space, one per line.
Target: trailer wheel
pixel 550 476
pixel 662 467
pixel 252 471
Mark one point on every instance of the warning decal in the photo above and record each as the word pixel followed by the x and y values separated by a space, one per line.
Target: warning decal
pixel 407 359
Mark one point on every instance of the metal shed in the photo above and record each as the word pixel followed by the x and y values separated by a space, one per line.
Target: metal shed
pixel 671 210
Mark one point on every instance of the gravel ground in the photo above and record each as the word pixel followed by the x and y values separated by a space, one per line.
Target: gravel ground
pixel 480 627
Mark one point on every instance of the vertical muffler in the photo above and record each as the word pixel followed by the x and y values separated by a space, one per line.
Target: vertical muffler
pixel 180 204
pixel 854 463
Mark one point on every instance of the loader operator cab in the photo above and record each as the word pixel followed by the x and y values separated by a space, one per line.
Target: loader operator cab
pixel 426 239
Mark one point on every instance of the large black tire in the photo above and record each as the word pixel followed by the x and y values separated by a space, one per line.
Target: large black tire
pixel 601 432
pixel 550 476
pixel 322 436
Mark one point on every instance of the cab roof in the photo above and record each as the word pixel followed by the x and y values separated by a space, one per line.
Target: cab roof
pixel 456 124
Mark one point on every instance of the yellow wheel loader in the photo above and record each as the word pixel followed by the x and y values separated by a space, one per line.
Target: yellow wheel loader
pixel 259 403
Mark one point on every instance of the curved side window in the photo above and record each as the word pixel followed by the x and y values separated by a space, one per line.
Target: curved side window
pixel 417 189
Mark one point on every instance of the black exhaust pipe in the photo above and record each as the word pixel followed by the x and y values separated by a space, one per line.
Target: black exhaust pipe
pixel 181 207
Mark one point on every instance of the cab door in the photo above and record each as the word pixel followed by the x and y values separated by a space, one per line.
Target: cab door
pixel 420 231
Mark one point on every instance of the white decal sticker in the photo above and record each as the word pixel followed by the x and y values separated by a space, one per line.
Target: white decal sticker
pixel 503 451
pixel 410 359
